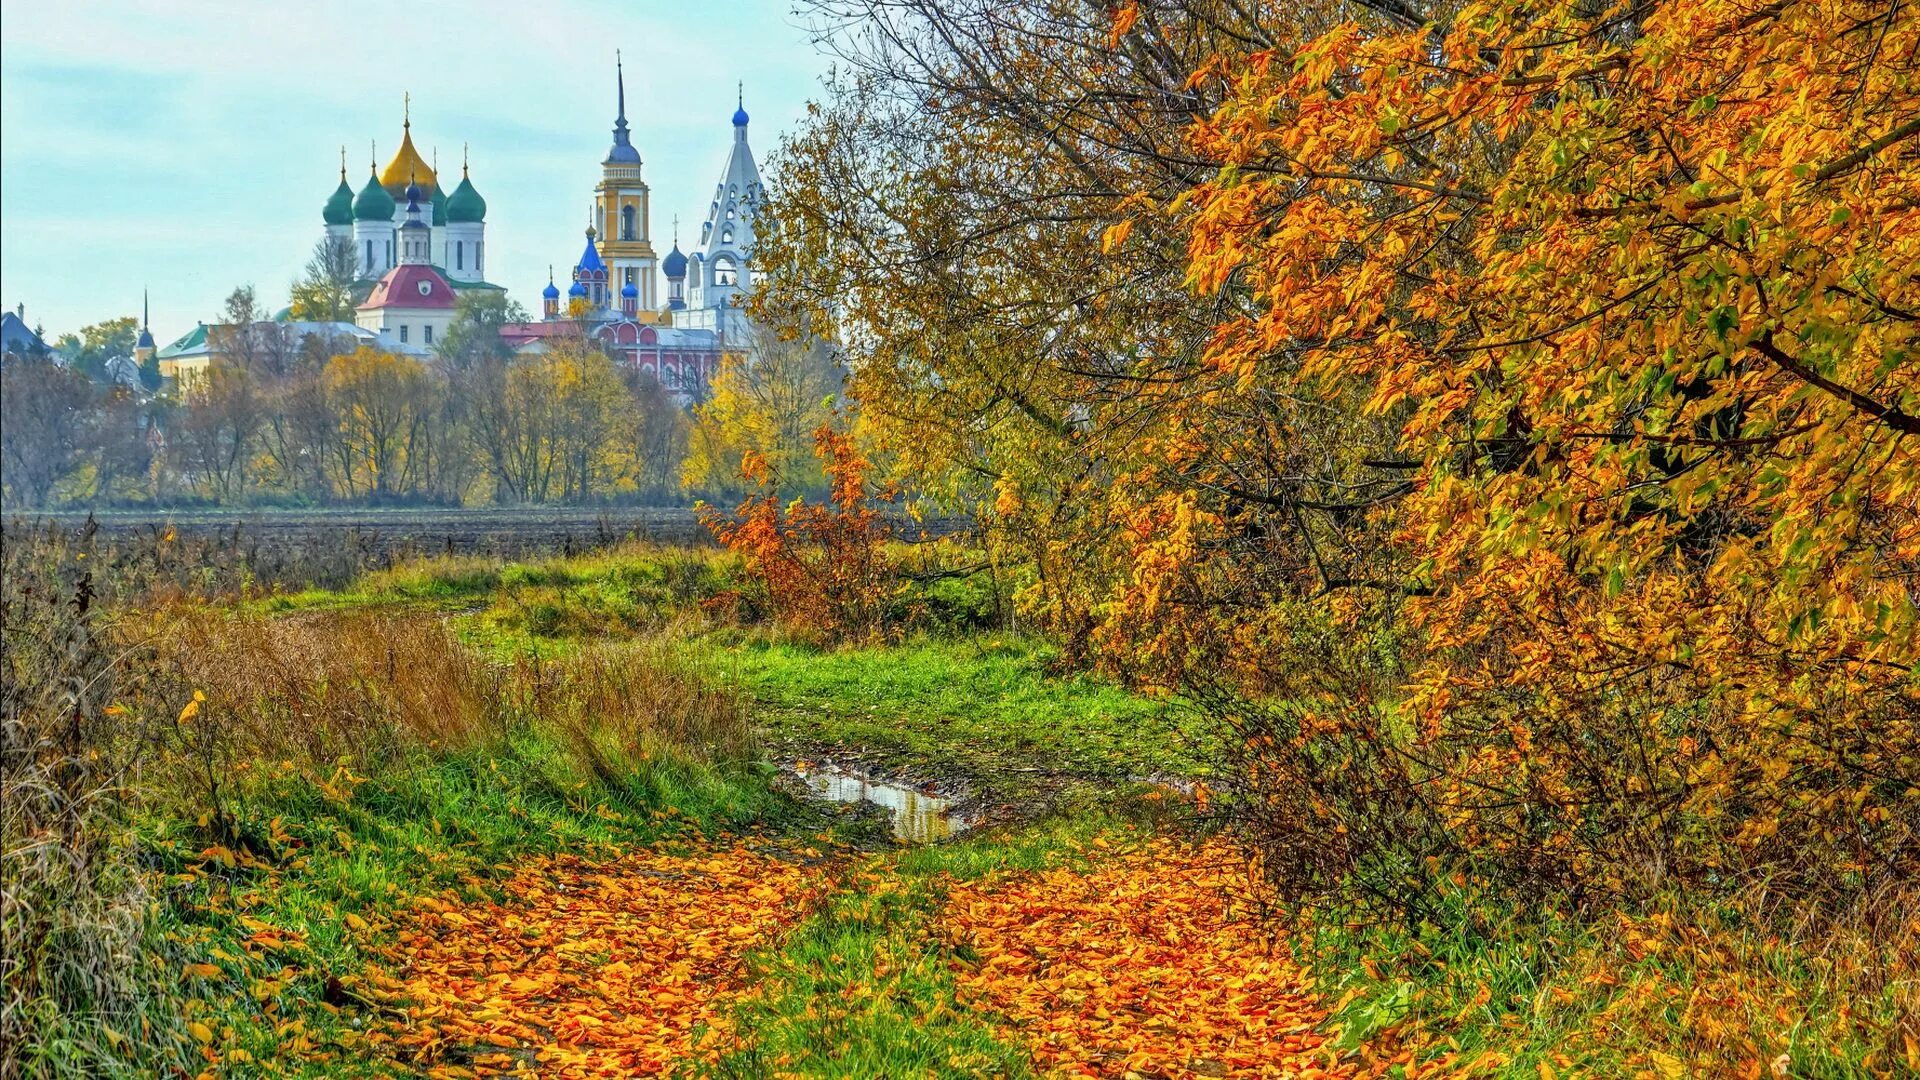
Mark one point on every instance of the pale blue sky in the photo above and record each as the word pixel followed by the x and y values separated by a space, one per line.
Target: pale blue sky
pixel 188 146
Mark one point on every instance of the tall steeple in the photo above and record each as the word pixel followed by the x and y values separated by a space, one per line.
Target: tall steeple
pixel 143 346
pixel 623 151
pixel 620 208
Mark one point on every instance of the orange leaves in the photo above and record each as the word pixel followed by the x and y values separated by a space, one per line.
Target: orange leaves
pixel 822 566
pixel 1607 424
pixel 1137 967
pixel 588 969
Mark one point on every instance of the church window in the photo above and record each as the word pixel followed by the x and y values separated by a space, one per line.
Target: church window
pixel 369 255
pixel 459 254
pixel 427 332
pixel 389 252
pixel 723 273
pixel 403 332
pixel 479 256
pixel 626 223
pixel 726 236
pixel 729 213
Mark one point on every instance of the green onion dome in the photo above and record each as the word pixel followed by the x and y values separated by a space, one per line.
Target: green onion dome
pixel 439 206
pixel 374 204
pixel 466 204
pixel 339 208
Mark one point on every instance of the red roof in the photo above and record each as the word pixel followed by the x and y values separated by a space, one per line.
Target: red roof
pixel 411 286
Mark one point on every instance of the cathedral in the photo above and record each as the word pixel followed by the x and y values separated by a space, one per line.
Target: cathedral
pixel 417 248
pixel 681 339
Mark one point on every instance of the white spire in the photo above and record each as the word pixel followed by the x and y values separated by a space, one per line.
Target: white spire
pixel 726 240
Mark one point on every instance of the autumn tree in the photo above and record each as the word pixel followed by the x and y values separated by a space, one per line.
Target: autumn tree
pixel 1631 292
pixel 660 433
pixel 382 404
pixel 766 403
pixel 43 412
pixel 952 214
pixel 211 434
pixel 553 425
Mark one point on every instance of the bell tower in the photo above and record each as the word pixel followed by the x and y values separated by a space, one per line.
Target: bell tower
pixel 620 211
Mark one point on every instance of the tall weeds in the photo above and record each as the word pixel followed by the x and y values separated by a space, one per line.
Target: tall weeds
pixel 70 910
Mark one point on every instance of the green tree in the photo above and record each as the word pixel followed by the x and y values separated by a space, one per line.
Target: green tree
pixel 88 351
pixel 473 337
pixel 324 292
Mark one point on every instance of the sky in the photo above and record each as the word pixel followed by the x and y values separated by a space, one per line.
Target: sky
pixel 187 146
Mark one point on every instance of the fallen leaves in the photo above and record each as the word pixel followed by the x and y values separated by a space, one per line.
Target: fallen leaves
pixel 1136 967
pixel 589 968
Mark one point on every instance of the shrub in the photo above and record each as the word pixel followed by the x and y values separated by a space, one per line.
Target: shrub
pixel 823 569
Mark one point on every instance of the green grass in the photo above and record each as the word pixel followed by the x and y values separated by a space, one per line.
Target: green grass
pixel 621 589
pixel 984 710
pixel 864 988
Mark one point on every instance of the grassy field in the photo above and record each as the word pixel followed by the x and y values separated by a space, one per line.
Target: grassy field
pixel 336 776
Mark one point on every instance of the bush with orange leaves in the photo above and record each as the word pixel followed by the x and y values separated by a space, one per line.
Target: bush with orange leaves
pixel 820 567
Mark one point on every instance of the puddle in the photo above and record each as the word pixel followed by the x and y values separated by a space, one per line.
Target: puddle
pixel 918 818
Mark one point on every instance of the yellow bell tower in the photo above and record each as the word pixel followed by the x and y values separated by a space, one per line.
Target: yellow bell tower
pixel 620 207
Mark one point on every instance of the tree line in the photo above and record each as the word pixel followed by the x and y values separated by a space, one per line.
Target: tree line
pixel 282 417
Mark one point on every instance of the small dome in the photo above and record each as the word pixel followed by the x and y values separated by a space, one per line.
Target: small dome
pixel 466 203
pixel 374 204
pixel 551 292
pixel 578 290
pixel 413 193
pixel 675 264
pixel 630 290
pixel 740 117
pixel 339 208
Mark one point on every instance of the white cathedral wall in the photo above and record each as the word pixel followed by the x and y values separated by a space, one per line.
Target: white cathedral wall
pixel 381 234
pixel 468 264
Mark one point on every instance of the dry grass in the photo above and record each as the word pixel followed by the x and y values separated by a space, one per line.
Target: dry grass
pixel 70 911
pixel 369 690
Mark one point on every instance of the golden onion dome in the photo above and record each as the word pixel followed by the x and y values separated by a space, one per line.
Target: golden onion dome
pixel 407 167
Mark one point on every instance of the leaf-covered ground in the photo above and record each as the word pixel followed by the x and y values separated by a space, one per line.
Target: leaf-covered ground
pixel 1132 964
pixel 583 968
pixel 1139 967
